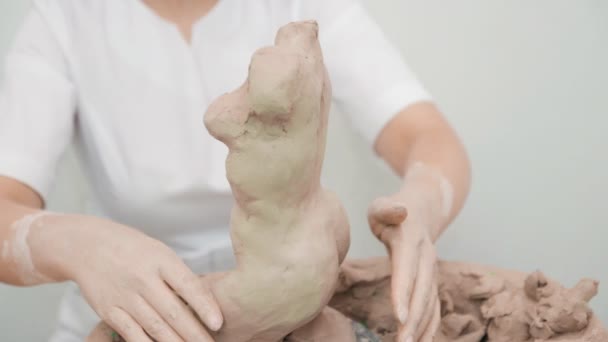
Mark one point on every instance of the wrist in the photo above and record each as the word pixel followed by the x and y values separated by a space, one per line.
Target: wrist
pixel 422 202
pixel 46 240
pixel 427 192
pixel 426 188
pixel 57 243
pixel 427 195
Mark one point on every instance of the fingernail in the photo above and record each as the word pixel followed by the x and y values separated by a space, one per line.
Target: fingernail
pixel 402 314
pixel 215 322
pixel 409 339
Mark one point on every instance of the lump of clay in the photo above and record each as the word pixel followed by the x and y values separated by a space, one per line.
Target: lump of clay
pixel 544 309
pixel 555 310
pixel 289 234
pixel 478 303
pixel 328 326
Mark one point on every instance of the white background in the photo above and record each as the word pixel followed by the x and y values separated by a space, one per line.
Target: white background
pixel 523 82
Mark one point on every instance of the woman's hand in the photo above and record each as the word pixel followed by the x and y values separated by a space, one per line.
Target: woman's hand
pixel 136 284
pixel 414 274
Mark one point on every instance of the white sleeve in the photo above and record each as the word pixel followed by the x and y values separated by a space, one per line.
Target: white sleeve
pixel 37 106
pixel 371 82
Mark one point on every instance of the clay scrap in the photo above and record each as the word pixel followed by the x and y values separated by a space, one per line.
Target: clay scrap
pixel 478 303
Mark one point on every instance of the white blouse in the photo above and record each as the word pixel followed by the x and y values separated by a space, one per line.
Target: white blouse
pixel 133 92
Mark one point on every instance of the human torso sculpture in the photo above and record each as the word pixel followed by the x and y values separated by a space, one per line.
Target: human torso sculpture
pixel 289 235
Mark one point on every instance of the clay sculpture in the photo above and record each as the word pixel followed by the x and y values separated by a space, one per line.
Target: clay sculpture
pixel 289 235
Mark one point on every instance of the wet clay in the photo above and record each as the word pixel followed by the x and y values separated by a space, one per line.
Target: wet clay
pixel 478 303
pixel 289 235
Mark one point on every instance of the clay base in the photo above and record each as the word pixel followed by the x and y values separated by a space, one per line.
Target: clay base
pixel 478 303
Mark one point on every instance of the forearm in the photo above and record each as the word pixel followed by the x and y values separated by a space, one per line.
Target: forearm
pixel 436 180
pixel 425 151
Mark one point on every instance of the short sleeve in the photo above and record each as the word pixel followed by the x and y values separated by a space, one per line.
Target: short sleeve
pixel 37 106
pixel 371 81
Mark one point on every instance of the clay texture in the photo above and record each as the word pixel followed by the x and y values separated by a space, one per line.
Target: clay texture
pixel 289 235
pixel 478 303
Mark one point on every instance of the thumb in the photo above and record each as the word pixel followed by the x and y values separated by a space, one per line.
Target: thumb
pixel 385 213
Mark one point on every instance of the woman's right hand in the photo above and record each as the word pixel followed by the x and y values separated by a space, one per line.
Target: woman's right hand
pixel 136 284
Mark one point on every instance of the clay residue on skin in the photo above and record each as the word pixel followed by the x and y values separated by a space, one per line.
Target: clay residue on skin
pixel 18 249
pixel 480 303
pixel 421 173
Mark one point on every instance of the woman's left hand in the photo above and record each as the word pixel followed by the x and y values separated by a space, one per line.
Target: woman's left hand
pixel 414 292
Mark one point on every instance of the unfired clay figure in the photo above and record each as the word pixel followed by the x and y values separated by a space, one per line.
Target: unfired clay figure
pixel 290 236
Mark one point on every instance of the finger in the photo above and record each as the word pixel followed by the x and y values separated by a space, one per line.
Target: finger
pixel 126 326
pixel 405 267
pixel 192 290
pixel 406 336
pixel 433 328
pixel 422 291
pixel 176 313
pixel 153 324
pixel 428 315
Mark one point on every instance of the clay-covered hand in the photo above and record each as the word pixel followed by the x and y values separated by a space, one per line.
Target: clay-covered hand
pixel 136 284
pixel 414 275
